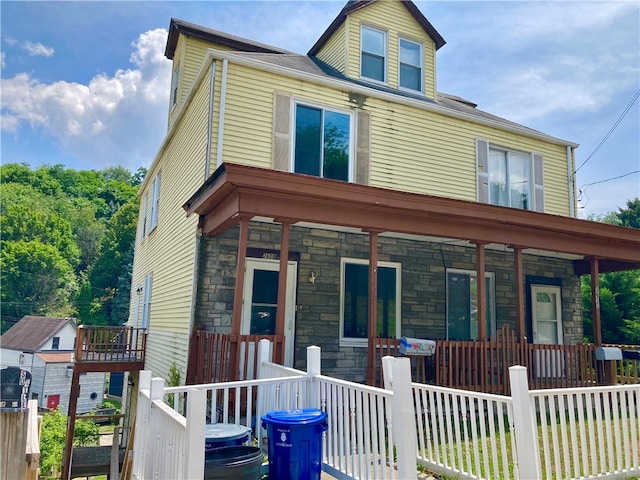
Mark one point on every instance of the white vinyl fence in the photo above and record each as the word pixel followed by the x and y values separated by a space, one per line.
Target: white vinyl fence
pixel 384 433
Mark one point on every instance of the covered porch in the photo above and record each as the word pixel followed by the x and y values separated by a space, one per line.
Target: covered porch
pixel 235 195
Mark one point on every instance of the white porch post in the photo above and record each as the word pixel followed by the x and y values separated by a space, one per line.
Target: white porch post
pixel 397 377
pixel 194 448
pixel 264 349
pixel 313 369
pixel 526 431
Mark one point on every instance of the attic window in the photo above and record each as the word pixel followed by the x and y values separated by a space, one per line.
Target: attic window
pixel 55 343
pixel 174 84
pixel 410 65
pixel 373 58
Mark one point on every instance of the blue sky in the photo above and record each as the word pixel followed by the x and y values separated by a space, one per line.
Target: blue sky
pixel 86 84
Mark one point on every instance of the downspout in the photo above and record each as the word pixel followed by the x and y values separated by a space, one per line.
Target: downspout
pixel 223 103
pixel 212 83
pixel 572 182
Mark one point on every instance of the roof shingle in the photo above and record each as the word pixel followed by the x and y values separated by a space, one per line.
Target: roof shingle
pixel 31 332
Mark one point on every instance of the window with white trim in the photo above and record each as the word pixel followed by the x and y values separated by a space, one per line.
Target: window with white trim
pixel 410 65
pixel 373 54
pixel 462 304
pixel 322 142
pixel 174 84
pixel 155 202
pixel 354 305
pixel 145 201
pixel 508 177
pixel 146 301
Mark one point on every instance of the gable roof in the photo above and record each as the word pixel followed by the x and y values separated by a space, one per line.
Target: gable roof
pixel 177 26
pixel 352 6
pixel 31 332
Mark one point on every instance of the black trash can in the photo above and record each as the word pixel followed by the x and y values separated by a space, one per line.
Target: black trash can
pixel 238 462
pixel 631 354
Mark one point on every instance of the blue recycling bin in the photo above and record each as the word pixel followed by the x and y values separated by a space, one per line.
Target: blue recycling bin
pixel 295 443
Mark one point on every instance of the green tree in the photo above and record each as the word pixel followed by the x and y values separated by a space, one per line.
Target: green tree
pixel 19 222
pixel 619 291
pixel 36 279
pixel 52 440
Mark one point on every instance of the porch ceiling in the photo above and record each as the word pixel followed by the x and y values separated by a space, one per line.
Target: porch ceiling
pixel 237 191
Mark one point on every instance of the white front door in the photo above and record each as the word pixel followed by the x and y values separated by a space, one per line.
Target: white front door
pixel 546 305
pixel 260 302
pixel 547 314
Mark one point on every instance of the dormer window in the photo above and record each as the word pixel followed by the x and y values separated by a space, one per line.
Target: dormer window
pixel 410 65
pixel 373 58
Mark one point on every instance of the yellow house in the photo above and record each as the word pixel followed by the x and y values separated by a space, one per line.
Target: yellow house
pixel 389 198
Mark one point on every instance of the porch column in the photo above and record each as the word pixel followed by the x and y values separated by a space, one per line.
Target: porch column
pixel 282 290
pixel 595 302
pixel 373 308
pixel 519 273
pixel 481 292
pixel 236 318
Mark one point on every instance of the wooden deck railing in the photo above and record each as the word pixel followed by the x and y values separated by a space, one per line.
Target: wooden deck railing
pixel 110 344
pixel 211 356
pixel 483 366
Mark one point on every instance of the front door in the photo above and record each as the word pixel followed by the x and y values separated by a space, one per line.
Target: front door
pixel 53 401
pixel 260 302
pixel 546 312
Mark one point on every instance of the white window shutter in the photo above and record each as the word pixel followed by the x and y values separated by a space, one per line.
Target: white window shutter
pixel 281 132
pixel 363 149
pixel 144 215
pixel 146 302
pixel 482 170
pixel 538 182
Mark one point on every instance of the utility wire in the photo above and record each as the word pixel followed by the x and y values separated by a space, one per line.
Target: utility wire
pixel 611 130
pixel 609 179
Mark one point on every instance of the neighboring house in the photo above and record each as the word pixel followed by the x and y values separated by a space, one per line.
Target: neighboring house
pixel 51 383
pixel 44 346
pixel 33 334
pixel 341 156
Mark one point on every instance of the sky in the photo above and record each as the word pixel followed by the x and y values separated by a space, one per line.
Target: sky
pixel 86 84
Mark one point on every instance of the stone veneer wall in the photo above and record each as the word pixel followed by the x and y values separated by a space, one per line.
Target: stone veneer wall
pixel 423 287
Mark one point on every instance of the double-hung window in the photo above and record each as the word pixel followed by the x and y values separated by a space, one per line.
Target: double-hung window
pixel 410 65
pixel 322 143
pixel 373 54
pixel 354 307
pixel 509 178
pixel 155 202
pixel 462 304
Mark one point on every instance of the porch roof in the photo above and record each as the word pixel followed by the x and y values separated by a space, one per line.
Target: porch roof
pixel 237 191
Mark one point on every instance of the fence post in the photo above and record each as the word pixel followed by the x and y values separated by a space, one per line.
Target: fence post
pixel 397 377
pixel 264 346
pixel 194 446
pixel 524 423
pixel 156 394
pixel 142 424
pixel 313 369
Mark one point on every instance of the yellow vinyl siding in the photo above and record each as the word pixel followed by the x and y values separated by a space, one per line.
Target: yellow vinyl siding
pixel 411 149
pixel 168 251
pixel 396 20
pixel 334 52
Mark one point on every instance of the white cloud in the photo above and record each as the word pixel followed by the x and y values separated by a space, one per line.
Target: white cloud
pixel 112 119
pixel 38 49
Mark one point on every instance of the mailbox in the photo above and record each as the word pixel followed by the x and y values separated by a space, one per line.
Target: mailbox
pixel 608 353
pixel 417 346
